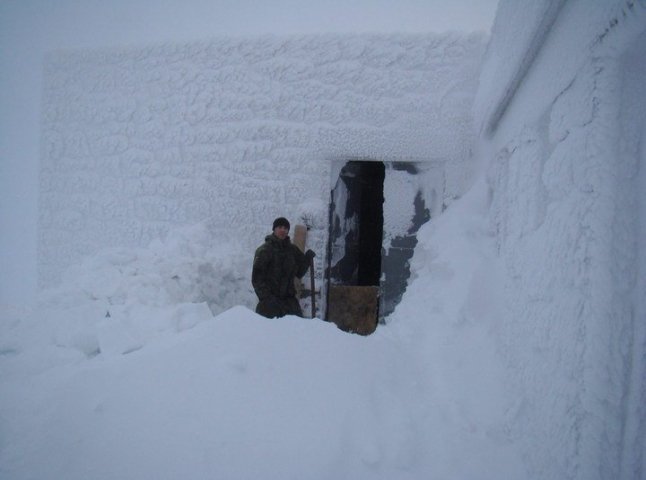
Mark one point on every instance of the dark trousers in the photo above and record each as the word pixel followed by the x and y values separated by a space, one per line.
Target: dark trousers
pixel 279 307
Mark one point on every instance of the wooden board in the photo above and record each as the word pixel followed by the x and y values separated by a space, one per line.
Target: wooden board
pixel 354 309
pixel 299 239
pixel 300 236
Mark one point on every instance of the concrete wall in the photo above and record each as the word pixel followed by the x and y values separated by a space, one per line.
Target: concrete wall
pixel 562 135
pixel 238 131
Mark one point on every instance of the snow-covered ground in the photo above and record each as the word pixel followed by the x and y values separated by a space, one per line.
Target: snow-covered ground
pixel 517 350
pixel 161 388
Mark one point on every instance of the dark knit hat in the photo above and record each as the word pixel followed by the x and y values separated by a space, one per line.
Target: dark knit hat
pixel 280 222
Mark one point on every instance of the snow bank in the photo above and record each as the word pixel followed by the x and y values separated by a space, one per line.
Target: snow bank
pixel 120 299
pixel 163 389
pixel 517 350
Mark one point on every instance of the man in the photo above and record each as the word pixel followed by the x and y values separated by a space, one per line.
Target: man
pixel 275 265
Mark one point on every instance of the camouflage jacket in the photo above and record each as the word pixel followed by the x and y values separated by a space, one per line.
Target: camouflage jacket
pixel 275 265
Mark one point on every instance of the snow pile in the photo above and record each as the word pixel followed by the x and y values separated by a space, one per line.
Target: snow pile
pixel 239 396
pixel 120 299
pixel 449 317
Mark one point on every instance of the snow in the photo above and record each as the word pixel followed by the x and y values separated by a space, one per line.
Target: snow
pixel 518 349
pixel 162 388
pixel 137 141
pixel 400 188
pixel 28 30
pixel 562 160
pixel 519 34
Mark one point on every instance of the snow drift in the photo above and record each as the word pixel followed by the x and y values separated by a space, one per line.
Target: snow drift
pixel 518 350
pixel 161 388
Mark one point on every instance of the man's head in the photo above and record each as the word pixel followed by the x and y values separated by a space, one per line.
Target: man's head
pixel 281 227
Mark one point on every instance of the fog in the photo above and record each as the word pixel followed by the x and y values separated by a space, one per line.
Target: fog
pixel 29 29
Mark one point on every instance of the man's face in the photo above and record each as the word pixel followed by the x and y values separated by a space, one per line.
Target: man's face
pixel 281 232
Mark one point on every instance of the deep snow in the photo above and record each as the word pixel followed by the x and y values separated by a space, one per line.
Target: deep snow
pixel 163 389
pixel 516 352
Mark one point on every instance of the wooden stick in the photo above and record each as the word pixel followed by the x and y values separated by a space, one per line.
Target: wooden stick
pixel 312 287
pixel 300 236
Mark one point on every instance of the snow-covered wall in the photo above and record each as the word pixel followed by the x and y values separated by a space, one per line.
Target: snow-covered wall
pixel 562 115
pixel 238 131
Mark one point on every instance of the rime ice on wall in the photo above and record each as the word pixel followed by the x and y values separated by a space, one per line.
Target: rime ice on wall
pixel 238 131
pixel 566 207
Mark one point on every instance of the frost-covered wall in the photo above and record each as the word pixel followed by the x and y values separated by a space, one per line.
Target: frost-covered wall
pixel 238 131
pixel 561 114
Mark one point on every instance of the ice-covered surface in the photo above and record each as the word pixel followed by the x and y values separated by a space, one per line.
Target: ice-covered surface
pixel 162 389
pixel 564 166
pixel 400 188
pixel 520 30
pixel 139 140
pixel 572 29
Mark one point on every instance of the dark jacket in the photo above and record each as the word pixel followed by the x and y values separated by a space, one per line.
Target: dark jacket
pixel 275 265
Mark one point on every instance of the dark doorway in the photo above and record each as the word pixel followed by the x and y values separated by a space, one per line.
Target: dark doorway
pixel 355 248
pixel 376 210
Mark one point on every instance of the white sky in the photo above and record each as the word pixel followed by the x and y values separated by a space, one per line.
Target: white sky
pixel 29 28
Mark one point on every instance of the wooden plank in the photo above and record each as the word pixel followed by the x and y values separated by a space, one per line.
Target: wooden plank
pixel 299 238
pixel 354 309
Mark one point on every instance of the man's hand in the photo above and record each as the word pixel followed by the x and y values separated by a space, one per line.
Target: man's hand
pixel 310 255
